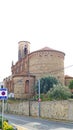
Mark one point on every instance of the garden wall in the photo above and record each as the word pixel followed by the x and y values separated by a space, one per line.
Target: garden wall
pixel 58 110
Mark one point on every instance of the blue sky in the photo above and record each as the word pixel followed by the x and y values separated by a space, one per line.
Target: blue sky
pixel 41 22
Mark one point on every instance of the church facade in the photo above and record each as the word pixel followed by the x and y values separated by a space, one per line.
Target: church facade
pixel 31 66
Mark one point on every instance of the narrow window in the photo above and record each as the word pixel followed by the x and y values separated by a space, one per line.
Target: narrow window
pixel 27 86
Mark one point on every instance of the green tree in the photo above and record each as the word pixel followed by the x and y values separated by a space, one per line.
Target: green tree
pixel 59 92
pixel 71 84
pixel 46 83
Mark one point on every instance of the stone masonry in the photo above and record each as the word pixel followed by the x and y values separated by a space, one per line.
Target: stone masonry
pixel 57 110
pixel 32 66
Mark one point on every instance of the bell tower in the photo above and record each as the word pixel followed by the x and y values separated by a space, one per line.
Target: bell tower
pixel 23 49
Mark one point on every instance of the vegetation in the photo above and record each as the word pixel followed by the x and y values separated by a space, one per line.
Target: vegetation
pixel 71 84
pixel 4 119
pixel 46 83
pixel 52 89
pixel 43 97
pixel 59 92
pixel 6 125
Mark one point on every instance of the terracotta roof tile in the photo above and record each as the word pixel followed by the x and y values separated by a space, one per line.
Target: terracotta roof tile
pixel 46 48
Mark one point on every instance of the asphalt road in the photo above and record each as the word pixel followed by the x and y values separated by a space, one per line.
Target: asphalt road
pixel 30 123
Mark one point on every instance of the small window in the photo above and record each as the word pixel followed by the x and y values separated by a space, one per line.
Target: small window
pixel 27 86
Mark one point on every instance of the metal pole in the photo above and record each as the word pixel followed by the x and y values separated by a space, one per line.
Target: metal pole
pixel 39 97
pixel 39 88
pixel 29 95
pixel 2 112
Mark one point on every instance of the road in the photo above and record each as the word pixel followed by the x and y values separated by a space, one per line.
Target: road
pixel 30 123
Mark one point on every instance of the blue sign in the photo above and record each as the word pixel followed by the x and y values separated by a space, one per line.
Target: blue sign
pixel 3 93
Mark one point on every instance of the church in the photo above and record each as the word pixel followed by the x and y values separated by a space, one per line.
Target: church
pixel 31 66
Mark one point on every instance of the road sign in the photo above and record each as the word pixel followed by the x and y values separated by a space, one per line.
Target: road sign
pixel 3 93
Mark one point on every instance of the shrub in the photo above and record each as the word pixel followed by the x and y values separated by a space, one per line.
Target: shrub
pixel 71 84
pixel 45 84
pixel 43 97
pixel 59 92
pixel 6 126
pixel 4 119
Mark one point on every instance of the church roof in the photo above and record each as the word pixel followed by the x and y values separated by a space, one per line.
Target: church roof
pixel 67 76
pixel 47 48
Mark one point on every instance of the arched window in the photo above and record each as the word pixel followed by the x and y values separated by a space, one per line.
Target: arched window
pixel 27 86
pixel 25 50
pixel 19 54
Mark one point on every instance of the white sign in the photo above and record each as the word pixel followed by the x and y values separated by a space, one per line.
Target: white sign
pixel 3 93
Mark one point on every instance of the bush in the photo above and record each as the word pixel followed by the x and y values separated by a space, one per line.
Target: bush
pixel 4 119
pixel 71 84
pixel 59 92
pixel 45 84
pixel 43 97
pixel 6 126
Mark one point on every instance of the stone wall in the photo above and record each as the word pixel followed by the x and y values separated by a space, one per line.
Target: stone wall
pixel 45 63
pixel 20 86
pixel 57 110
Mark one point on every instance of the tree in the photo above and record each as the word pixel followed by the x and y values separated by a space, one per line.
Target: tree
pixel 59 92
pixel 46 83
pixel 71 84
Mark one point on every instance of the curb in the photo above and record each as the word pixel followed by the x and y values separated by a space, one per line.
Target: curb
pixel 20 127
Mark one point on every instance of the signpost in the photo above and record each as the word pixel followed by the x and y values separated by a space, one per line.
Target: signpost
pixel 3 93
pixel 3 96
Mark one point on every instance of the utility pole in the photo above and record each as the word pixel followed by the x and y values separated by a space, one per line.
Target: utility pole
pixel 39 97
